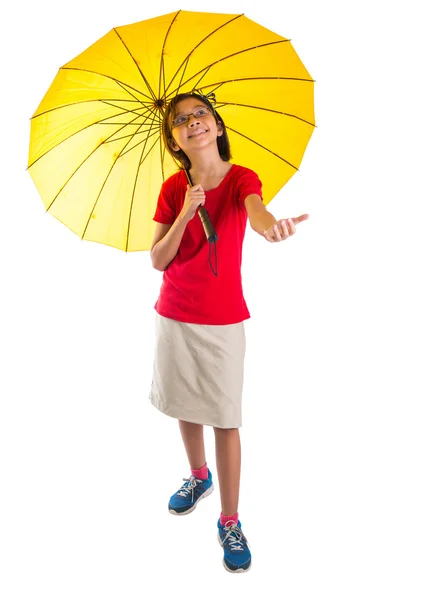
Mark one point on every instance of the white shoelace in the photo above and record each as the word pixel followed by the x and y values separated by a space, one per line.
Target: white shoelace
pixel 192 482
pixel 235 536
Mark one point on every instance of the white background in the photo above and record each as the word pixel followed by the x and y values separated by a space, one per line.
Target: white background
pixel 337 490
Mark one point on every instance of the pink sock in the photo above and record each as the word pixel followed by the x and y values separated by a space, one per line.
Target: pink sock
pixel 201 473
pixel 234 518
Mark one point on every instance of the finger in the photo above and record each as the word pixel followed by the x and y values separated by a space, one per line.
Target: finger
pixel 276 233
pixel 285 231
pixel 291 226
pixel 197 195
pixel 279 228
pixel 300 218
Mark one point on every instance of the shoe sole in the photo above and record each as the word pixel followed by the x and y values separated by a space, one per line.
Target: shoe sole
pixel 189 510
pixel 240 570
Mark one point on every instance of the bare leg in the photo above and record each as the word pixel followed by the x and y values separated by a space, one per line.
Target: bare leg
pixel 193 438
pixel 228 460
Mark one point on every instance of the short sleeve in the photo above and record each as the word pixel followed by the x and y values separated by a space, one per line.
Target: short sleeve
pixel 248 183
pixel 165 210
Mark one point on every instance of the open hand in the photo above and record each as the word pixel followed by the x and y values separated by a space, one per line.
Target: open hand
pixel 283 229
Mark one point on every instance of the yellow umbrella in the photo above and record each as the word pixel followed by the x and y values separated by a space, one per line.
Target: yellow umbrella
pixel 96 155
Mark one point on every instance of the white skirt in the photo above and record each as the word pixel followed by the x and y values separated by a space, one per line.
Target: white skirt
pixel 198 372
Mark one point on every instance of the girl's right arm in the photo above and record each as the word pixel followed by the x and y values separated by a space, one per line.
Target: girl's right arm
pixel 167 239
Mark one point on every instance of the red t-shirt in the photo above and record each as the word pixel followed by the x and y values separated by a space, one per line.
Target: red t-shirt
pixel 190 292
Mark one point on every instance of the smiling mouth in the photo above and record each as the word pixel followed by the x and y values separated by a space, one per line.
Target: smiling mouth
pixel 197 133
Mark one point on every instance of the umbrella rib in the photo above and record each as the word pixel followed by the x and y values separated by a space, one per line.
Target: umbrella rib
pixel 82 163
pixel 82 129
pixel 279 112
pixel 219 83
pixel 146 155
pixel 231 56
pixel 124 87
pixel 152 128
pixel 202 77
pixel 118 81
pixel 125 111
pixel 134 189
pixel 182 75
pixel 139 143
pixel 99 193
pixel 161 152
pixel 138 68
pixel 261 146
pixel 197 46
pixel 163 162
pixel 132 135
pixel 162 62
pixel 146 108
pixel 156 129
pixel 107 101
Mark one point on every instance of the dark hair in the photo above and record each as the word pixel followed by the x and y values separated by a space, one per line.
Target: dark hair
pixel 223 142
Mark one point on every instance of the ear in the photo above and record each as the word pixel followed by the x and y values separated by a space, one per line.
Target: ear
pixel 220 129
pixel 175 147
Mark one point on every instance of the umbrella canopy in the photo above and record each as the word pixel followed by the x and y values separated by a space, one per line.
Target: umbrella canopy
pixel 96 154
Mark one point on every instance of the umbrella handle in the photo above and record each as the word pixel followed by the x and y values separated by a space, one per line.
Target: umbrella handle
pixel 209 230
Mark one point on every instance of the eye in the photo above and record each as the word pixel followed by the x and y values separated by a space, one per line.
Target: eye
pixel 180 120
pixel 201 112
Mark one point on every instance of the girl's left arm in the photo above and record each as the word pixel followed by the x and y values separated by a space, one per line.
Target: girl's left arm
pixel 259 217
pixel 264 223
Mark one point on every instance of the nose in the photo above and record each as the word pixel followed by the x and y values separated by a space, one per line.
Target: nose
pixel 194 120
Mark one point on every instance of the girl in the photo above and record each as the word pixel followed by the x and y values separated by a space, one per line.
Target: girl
pixel 200 335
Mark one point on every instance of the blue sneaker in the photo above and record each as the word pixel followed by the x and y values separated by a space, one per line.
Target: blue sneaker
pixel 237 557
pixel 189 494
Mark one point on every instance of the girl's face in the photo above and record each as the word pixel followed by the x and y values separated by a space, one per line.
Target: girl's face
pixel 197 131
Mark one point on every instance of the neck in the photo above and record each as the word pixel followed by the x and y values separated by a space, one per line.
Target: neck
pixel 205 164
